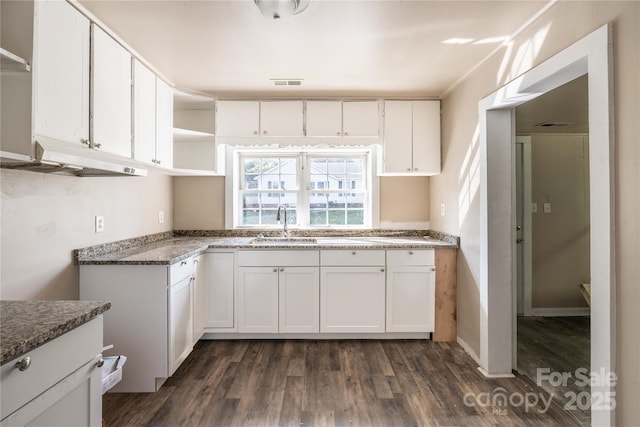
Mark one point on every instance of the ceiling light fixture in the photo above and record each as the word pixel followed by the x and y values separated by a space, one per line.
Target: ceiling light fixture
pixel 276 9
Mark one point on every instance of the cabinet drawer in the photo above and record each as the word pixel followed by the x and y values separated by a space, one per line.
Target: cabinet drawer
pixel 50 363
pixel 180 270
pixel 410 257
pixel 352 257
pixel 268 258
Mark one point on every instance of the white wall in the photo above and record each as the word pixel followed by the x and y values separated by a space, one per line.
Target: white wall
pixel 45 217
pixel 457 186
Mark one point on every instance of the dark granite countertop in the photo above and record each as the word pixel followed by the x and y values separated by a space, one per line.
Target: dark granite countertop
pixel 166 251
pixel 25 325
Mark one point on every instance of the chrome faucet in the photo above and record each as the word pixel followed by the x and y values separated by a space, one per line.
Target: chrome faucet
pixel 285 232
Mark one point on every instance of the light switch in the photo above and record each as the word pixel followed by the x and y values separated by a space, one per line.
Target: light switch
pixel 442 209
pixel 534 207
pixel 547 208
pixel 99 220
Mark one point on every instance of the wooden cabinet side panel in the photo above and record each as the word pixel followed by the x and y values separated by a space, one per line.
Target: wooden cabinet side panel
pixel 446 282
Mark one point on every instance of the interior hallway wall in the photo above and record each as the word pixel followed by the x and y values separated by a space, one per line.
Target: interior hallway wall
pixel 560 238
pixel 45 217
pixel 198 202
pixel 458 185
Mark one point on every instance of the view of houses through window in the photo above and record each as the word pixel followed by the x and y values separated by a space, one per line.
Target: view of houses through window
pixel 317 190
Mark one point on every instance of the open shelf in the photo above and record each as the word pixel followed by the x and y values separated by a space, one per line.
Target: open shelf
pixel 180 134
pixel 12 62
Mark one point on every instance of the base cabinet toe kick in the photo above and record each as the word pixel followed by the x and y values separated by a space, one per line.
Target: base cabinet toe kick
pixel 160 311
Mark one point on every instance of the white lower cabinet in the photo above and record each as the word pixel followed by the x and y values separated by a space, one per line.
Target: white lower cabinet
pixel 150 320
pixel 219 277
pixel 278 291
pixel 352 291
pixel 61 387
pixel 410 291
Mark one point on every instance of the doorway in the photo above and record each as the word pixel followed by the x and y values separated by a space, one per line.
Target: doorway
pixel 589 56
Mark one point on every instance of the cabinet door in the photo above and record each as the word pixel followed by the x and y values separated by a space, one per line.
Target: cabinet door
pixel 426 137
pixel 220 297
pixel 281 118
pixel 360 118
pixel 61 72
pixel 410 298
pixel 110 94
pixel 199 297
pixel 398 136
pixel 180 323
pixel 352 299
pixel 238 118
pixel 324 118
pixel 258 299
pixel 164 124
pixel 144 113
pixel 299 293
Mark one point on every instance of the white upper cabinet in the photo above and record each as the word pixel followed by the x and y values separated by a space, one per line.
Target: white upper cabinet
pixel 412 137
pixel 324 118
pixel 164 124
pixel 238 118
pixel 110 94
pixel 281 118
pixel 360 118
pixel 61 72
pixel 153 118
pixel 144 110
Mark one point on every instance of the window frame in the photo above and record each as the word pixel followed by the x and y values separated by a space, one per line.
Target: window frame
pixel 234 180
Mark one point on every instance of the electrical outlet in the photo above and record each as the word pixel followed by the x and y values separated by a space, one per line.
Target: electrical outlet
pixel 99 223
pixel 161 217
pixel 534 207
pixel 442 209
pixel 546 208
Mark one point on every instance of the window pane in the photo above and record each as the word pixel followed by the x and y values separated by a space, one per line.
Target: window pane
pixel 355 217
pixel 317 217
pixel 250 200
pixel 337 200
pixel 318 201
pixel 336 217
pixel 268 216
pixel 355 200
pixel 250 217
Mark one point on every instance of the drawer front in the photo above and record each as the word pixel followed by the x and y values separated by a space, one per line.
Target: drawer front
pixel 411 257
pixel 180 270
pixel 269 258
pixel 50 363
pixel 355 257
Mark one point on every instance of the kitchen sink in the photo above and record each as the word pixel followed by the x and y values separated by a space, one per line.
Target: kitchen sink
pixel 284 240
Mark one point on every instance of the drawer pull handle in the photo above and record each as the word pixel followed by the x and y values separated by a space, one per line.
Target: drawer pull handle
pixel 353 253
pixel 410 252
pixel 100 362
pixel 183 263
pixel 23 364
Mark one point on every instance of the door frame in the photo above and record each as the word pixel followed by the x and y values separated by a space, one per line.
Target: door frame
pixel 591 55
pixel 527 227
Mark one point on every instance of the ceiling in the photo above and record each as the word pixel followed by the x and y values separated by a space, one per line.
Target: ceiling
pixel 339 48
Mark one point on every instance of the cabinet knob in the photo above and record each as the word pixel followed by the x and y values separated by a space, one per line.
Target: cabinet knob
pixel 159 162
pixel 85 141
pixel 433 269
pixel 23 364
pixel 183 262
pixel 410 252
pixel 264 132
pixel 98 145
pixel 275 270
pixel 100 362
pixel 382 270
pixel 338 133
pixel 408 169
pixel 255 132
pixel 346 134
pixel 415 169
pixel 281 269
pixel 353 253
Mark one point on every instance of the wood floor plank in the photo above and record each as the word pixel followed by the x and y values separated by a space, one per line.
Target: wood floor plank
pixel 326 383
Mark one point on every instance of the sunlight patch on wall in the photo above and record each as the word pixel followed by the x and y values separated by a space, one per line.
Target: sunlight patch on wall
pixel 524 58
pixel 469 177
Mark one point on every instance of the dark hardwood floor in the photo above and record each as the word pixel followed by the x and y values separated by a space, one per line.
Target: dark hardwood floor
pixel 327 383
pixel 562 345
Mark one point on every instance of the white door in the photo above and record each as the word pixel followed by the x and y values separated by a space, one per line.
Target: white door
pixel 258 299
pixel 220 295
pixel 144 113
pixel 238 118
pixel 164 124
pixel 410 298
pixel 324 118
pixel 352 299
pixel 61 72
pixel 299 295
pixel 360 118
pixel 281 118
pixel 426 137
pixel 180 323
pixel 110 94
pixel 398 136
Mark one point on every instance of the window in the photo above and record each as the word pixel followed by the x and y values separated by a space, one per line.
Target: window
pixel 311 184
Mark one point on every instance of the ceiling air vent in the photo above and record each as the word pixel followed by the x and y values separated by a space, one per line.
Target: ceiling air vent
pixel 287 82
pixel 552 124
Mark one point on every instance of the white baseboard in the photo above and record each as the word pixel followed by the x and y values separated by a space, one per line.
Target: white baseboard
pixel 413 225
pixel 558 311
pixel 488 375
pixel 467 348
